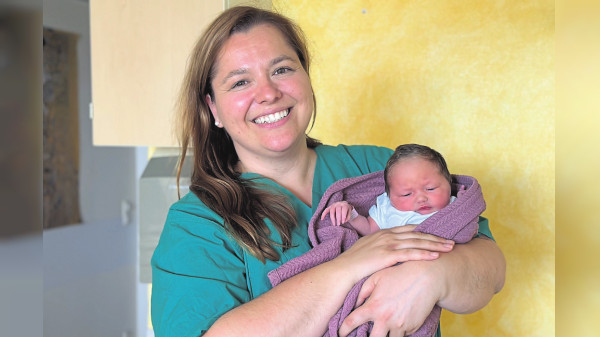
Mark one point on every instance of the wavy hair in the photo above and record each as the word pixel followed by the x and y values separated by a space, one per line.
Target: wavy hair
pixel 244 204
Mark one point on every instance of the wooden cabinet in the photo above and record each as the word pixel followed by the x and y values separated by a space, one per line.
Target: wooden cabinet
pixel 139 51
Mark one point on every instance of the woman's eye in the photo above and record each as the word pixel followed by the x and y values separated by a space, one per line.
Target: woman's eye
pixel 239 84
pixel 282 70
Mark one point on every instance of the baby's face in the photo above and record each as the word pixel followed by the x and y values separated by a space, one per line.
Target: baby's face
pixel 416 184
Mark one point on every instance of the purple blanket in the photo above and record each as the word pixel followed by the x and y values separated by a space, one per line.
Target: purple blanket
pixel 457 221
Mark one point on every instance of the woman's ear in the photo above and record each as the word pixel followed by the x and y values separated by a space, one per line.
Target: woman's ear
pixel 213 109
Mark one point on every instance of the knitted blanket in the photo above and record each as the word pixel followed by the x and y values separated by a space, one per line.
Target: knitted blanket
pixel 457 221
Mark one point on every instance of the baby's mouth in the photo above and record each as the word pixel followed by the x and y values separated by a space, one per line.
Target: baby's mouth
pixel 272 118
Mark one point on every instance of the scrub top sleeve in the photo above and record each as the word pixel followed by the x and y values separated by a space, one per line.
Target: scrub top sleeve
pixel 484 228
pixel 198 275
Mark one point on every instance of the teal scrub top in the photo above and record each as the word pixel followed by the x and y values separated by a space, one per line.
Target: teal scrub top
pixel 199 272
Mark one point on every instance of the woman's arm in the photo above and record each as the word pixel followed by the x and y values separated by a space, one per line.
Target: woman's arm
pixel 474 272
pixel 299 306
pixel 304 304
pixel 400 298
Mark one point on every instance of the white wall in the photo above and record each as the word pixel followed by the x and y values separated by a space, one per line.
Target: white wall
pixel 91 286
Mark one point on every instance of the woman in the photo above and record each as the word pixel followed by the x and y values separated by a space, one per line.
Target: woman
pixel 246 104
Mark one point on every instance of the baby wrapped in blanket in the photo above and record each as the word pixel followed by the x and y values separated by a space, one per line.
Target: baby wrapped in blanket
pixel 414 188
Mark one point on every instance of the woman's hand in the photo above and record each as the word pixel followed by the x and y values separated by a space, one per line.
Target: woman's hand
pixel 388 247
pixel 398 300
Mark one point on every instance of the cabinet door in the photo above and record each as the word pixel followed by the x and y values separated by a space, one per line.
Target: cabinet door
pixel 139 52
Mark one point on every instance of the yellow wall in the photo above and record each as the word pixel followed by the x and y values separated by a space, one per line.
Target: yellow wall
pixel 473 79
pixel 578 163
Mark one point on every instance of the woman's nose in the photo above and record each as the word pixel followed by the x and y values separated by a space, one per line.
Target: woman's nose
pixel 267 91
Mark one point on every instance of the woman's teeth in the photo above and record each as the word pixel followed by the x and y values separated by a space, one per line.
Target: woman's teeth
pixel 272 118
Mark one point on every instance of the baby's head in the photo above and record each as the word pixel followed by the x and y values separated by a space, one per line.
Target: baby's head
pixel 417 179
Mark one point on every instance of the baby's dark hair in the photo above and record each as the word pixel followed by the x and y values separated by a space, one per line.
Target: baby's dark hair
pixel 406 151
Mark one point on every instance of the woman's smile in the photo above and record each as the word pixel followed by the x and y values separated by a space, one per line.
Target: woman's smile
pixel 272 118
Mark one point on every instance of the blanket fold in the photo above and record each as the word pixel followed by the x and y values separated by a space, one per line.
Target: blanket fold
pixel 458 221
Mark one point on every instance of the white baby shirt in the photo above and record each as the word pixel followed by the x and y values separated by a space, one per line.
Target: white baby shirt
pixel 386 216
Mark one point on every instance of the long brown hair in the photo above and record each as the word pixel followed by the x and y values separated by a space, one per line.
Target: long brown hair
pixel 242 203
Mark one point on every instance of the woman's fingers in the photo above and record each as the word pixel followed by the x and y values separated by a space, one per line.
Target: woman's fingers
pixel 396 333
pixel 380 330
pixel 402 238
pixel 392 239
pixel 353 321
pixel 388 247
pixel 398 301
pixel 365 292
pixel 409 232
pixel 361 316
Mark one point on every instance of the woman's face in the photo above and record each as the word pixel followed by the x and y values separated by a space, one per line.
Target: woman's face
pixel 417 185
pixel 262 95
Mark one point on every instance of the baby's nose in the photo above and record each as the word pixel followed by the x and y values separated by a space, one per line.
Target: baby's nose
pixel 421 197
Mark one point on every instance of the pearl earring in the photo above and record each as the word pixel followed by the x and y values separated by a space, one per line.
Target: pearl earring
pixel 217 123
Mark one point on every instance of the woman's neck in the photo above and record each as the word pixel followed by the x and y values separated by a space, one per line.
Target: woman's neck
pixel 294 170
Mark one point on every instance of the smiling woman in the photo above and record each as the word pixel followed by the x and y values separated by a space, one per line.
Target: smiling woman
pixel 245 107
